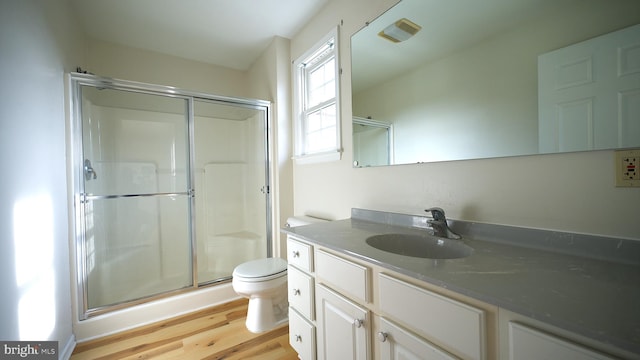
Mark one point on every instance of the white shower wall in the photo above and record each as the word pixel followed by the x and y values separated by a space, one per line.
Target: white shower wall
pixel 230 166
pixel 153 254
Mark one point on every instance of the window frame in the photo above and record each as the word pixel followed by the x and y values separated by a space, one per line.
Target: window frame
pixel 301 71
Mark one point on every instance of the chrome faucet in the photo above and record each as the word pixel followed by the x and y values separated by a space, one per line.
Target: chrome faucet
pixel 439 224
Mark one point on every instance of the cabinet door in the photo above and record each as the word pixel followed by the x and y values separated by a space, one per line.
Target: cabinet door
pixel 397 343
pixel 343 327
pixel 528 344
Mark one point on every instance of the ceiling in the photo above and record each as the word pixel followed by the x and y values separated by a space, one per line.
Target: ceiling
pixel 229 33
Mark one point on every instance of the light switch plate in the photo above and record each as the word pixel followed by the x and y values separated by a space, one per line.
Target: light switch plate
pixel 627 169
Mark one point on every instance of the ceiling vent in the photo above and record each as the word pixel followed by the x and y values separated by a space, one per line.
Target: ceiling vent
pixel 400 30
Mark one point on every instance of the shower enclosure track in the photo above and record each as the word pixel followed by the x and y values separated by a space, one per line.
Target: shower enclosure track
pixel 87 197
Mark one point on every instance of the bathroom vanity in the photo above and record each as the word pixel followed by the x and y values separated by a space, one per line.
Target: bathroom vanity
pixel 521 294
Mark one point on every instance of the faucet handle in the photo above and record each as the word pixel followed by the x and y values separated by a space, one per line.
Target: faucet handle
pixel 437 213
pixel 439 224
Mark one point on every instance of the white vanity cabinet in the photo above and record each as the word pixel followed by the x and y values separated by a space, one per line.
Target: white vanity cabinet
pixel 358 310
pixel 345 306
pixel 327 318
pixel 301 288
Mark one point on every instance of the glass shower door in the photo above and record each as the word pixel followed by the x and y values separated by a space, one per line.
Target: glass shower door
pixel 136 197
pixel 231 187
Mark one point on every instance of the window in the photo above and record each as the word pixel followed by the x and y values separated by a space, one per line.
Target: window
pixel 317 125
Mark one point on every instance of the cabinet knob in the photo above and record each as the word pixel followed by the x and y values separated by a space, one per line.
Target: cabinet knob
pixel 358 323
pixel 296 254
pixel 382 336
pixel 296 291
pixel 298 338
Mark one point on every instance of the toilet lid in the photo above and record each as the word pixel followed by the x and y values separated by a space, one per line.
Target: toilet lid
pixel 261 268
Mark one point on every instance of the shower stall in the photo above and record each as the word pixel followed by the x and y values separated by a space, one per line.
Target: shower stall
pixel 171 190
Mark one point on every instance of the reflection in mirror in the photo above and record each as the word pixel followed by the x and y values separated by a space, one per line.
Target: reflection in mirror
pixel 467 85
pixel 372 142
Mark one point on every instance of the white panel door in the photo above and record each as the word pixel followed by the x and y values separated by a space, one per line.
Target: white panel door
pixel 343 327
pixel 589 94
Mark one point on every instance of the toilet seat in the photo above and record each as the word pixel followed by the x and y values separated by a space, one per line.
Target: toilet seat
pixel 261 270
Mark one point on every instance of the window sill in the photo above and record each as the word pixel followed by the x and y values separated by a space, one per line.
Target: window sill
pixel 329 156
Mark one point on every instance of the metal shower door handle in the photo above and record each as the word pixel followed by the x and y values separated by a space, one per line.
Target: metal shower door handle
pixel 89 172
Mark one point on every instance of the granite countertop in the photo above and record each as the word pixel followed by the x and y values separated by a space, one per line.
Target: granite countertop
pixel 595 297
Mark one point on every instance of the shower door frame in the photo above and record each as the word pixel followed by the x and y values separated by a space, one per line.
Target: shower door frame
pixel 76 81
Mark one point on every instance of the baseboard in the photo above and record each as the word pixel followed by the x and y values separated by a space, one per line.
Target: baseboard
pixel 67 350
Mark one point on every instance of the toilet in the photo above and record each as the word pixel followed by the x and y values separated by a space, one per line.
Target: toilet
pixel 264 282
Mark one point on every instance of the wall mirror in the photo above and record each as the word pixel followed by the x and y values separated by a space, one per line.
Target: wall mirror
pixel 494 78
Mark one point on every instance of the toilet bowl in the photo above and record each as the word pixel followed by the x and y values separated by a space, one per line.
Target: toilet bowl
pixel 264 283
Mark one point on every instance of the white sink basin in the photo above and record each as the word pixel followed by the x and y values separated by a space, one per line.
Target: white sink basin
pixel 421 246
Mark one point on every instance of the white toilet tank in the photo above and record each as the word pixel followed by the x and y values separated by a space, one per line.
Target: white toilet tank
pixel 303 220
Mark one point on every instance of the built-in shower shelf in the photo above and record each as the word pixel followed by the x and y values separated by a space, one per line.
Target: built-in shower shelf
pixel 247 235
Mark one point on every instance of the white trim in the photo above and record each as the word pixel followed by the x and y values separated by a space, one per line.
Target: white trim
pixel 66 351
pixel 333 155
pixel 297 105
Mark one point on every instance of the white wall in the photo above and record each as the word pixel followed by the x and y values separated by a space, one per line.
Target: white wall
pixel 568 192
pixel 121 62
pixel 270 79
pixel 38 43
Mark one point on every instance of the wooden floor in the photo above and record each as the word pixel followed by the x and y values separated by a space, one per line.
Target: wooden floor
pixel 216 333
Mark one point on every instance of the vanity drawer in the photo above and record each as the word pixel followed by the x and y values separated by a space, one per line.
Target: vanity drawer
pixel 302 336
pixel 442 320
pixel 301 292
pixel 300 254
pixel 349 278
